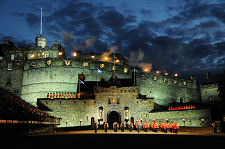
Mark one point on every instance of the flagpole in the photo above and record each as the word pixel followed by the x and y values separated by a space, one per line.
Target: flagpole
pixel 97 79
pixel 114 70
pixel 79 85
pixel 134 76
pixel 114 62
pixel 41 23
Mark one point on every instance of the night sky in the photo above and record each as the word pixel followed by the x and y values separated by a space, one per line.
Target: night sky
pixel 187 37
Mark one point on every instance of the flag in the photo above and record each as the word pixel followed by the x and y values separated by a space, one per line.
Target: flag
pixel 99 71
pixel 81 82
pixel 43 16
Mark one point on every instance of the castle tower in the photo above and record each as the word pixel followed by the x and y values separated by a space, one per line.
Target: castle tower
pixel 41 41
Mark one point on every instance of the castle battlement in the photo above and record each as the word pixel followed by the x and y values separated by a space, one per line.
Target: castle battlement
pixel 33 72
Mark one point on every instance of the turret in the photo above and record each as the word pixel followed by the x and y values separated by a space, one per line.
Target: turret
pixel 41 41
pixel 55 44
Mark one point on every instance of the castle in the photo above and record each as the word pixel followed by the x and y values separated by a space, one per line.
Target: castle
pixel 89 87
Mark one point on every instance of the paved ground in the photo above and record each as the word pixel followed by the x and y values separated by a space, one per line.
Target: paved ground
pixel 110 131
pixel 87 138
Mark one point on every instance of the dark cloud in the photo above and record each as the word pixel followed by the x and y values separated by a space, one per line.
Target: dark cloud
pixel 16 41
pixel 112 19
pixel 218 12
pixel 207 25
pixel 146 12
pixel 32 20
pixel 189 41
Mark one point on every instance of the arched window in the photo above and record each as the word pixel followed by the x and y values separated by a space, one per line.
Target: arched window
pixel 100 113
pixel 126 113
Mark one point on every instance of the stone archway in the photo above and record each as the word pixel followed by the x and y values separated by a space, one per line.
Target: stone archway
pixel 113 116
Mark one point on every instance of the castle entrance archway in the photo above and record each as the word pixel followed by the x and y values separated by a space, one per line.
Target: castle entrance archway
pixel 112 117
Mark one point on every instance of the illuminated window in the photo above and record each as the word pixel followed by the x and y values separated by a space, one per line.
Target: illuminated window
pixel 126 113
pixel 31 56
pixel 12 57
pixel 49 62
pixel 113 67
pixel 184 83
pixel 154 78
pixel 9 66
pixel 67 62
pixel 100 113
pixel 102 65
pixel 165 80
pixel 125 70
pixel 33 64
pixel 85 64
pixel 174 81
pixel 46 55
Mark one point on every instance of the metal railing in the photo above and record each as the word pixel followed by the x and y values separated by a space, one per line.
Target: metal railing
pixel 50 122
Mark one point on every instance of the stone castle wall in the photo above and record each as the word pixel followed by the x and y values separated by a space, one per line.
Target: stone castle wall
pixel 209 93
pixel 58 77
pixel 11 80
pixel 32 82
pixel 72 111
pixel 35 79
pixel 165 91
pixel 191 117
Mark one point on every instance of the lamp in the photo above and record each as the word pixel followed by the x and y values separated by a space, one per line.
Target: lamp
pixel 184 121
pixel 167 120
pixel 203 120
pixel 176 75
pixel 106 58
pixel 60 53
pixel 75 54
pixel 80 121
pixel 117 61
